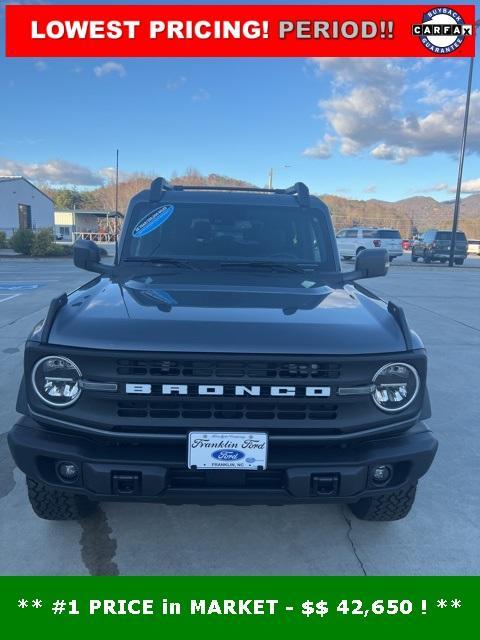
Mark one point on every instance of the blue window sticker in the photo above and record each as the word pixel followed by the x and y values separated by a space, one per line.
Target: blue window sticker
pixel 162 296
pixel 152 220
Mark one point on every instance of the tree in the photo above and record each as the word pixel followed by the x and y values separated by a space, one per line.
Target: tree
pixel 64 198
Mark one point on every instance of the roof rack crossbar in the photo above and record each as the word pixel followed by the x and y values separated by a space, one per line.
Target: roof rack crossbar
pixel 300 190
pixel 160 185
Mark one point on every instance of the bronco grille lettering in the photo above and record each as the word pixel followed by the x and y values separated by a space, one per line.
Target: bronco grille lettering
pixel 230 390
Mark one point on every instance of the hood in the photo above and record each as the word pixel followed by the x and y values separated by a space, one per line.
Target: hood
pixel 142 315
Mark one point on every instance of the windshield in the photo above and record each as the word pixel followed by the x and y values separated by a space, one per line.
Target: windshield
pixel 386 233
pixel 447 235
pixel 219 232
pixel 382 233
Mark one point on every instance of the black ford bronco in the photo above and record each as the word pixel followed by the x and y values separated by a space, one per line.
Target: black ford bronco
pixel 224 358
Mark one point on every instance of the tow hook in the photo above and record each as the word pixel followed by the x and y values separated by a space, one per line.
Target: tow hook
pixel 325 484
pixel 125 483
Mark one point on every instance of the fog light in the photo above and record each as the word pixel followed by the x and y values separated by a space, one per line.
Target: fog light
pixel 68 471
pixel 381 474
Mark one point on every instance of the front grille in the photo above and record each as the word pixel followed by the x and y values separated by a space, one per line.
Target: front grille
pixel 158 411
pixel 207 410
pixel 228 369
pixel 190 479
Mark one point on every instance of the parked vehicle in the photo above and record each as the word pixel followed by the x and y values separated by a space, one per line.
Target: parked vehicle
pixel 474 247
pixel 353 240
pixel 224 358
pixel 435 245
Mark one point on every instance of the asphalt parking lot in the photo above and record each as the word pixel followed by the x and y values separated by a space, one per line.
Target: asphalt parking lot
pixel 440 537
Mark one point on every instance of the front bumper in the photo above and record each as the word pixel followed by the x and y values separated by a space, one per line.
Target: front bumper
pixel 295 474
pixel 445 253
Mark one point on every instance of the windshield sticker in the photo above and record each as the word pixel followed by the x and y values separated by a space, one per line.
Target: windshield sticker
pixel 152 220
pixel 161 296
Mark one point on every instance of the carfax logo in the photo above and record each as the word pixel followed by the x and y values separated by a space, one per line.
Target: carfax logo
pixel 152 220
pixel 442 30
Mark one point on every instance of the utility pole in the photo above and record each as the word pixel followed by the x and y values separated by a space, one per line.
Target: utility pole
pixel 270 174
pixel 456 210
pixel 116 210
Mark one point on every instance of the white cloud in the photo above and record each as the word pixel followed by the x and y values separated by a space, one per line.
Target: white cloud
pixel 394 153
pixel 52 171
pixel 110 67
pixel 40 65
pixel 367 112
pixel 358 114
pixel 370 188
pixel 201 95
pixel 432 94
pixel 469 186
pixel 379 72
pixel 109 173
pixel 439 186
pixel 323 148
pixel 173 85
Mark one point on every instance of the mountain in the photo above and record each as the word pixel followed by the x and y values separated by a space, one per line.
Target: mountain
pixel 407 215
pixel 418 212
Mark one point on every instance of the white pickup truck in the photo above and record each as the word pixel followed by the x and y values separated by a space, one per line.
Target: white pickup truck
pixel 353 240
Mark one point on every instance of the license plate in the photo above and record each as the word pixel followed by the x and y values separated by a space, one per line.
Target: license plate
pixel 213 450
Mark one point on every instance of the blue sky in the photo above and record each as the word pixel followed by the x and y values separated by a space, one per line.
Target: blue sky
pixel 387 129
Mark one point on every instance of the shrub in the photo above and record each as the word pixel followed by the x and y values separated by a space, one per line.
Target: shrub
pixel 67 249
pixel 3 240
pixel 44 244
pixel 22 241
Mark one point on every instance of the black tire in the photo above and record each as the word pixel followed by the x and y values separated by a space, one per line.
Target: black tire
pixel 414 258
pixel 387 506
pixel 443 260
pixel 53 504
pixel 391 258
pixel 360 249
pixel 426 258
pixel 459 261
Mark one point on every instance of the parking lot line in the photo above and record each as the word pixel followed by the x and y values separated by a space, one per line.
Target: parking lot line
pixel 15 295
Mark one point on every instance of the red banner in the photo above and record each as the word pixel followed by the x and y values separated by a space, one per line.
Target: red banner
pixel 239 30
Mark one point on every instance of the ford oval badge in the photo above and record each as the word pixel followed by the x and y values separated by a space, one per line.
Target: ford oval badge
pixel 228 455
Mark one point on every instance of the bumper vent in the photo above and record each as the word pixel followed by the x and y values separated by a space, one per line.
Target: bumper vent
pixel 189 479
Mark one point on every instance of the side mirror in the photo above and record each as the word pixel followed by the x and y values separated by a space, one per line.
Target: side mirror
pixel 370 263
pixel 86 255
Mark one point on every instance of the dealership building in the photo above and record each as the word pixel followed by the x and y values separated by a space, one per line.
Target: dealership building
pixel 23 205
pixel 99 226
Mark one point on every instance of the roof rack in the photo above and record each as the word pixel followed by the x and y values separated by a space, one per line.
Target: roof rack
pixel 160 185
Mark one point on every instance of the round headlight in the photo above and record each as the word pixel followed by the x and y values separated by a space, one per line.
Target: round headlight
pixel 56 381
pixel 396 386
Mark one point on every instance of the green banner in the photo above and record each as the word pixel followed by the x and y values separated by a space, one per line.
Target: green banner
pixel 238 606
